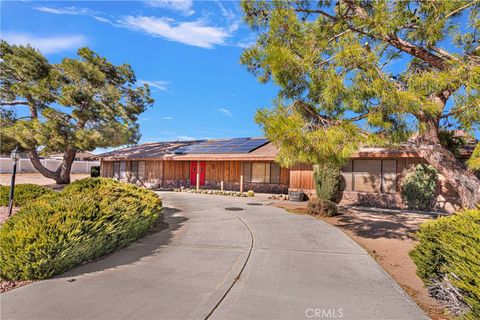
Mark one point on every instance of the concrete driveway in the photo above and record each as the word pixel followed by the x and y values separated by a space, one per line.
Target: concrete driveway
pixel 255 263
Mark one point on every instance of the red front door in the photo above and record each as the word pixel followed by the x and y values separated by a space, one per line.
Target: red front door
pixel 193 172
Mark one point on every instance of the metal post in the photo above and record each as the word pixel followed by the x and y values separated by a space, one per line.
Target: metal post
pixel 221 185
pixel 12 187
pixel 241 183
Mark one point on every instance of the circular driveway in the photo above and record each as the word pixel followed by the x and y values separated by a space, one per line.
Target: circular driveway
pixel 251 261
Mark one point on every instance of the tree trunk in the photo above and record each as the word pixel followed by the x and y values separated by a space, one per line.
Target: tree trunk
pixel 455 172
pixel 62 174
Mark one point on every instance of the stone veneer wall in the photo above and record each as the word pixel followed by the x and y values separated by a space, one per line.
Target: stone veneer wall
pixel 443 203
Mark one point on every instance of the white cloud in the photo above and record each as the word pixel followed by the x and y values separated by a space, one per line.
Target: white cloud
pixel 167 118
pixel 194 33
pixel 66 10
pixel 161 85
pixel 225 112
pixel 46 45
pixel 233 20
pixel 183 6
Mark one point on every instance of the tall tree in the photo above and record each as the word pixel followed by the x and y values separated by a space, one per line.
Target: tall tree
pixel 75 105
pixel 369 72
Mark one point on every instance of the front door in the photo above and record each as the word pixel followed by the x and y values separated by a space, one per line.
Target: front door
pixel 193 172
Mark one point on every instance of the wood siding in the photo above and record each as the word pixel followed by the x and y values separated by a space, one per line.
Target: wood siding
pixel 176 170
pixel 366 176
pixel 301 177
pixel 161 170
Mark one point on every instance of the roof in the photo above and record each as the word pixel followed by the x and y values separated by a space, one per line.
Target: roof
pixel 153 150
pixel 256 149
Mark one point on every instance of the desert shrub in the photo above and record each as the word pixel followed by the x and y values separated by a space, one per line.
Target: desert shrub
pixel 23 194
pixel 323 207
pixel 250 193
pixel 327 178
pixel 90 218
pixel 447 258
pixel 95 171
pixel 419 187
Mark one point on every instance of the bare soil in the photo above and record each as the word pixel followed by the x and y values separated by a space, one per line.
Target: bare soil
pixel 388 237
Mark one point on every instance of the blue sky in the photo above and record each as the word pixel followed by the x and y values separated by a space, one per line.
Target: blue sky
pixel 187 51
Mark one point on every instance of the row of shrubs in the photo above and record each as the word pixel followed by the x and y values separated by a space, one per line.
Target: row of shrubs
pixel 249 193
pixel 448 261
pixel 56 231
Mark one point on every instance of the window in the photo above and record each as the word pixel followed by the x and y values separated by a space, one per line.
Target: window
pixel 374 176
pixel 261 172
pixel 138 169
pixel 123 169
pixel 116 170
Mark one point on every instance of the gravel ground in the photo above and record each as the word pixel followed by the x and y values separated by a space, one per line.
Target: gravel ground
pixel 36 178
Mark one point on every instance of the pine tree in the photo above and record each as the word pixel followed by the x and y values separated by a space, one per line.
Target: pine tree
pixel 75 105
pixel 355 73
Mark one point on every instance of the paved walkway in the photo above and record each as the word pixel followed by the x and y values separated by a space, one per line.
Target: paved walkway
pixel 257 263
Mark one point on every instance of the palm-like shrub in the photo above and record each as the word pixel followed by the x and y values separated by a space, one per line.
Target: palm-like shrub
pixel 90 218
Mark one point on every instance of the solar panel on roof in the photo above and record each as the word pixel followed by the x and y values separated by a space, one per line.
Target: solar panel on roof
pixel 236 145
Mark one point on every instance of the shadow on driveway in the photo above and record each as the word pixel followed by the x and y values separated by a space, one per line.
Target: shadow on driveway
pixel 375 225
pixel 150 244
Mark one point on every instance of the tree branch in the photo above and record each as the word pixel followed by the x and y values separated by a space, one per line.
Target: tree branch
pixel 456 111
pixel 13 103
pixel 460 9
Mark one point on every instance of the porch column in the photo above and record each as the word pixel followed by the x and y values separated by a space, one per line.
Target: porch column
pixel 198 175
pixel 241 177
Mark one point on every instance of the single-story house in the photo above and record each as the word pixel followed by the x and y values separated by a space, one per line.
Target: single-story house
pixel 371 177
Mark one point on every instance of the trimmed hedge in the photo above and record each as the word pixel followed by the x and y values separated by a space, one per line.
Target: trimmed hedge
pixel 448 256
pixel 23 194
pixel 90 218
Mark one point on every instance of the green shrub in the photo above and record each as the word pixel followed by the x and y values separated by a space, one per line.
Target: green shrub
pixel 23 194
pixel 448 255
pixel 250 193
pixel 419 187
pixel 327 177
pixel 90 218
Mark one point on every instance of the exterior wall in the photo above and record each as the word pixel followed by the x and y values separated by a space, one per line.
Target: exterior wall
pixel 175 174
pixel 301 178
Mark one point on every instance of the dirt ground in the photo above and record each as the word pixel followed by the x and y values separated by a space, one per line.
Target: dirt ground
pixel 36 178
pixel 388 236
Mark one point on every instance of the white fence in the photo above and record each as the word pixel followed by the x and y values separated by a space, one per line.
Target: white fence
pixel 25 165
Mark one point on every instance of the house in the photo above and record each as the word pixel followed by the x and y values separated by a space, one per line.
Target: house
pixel 371 177
pixel 80 156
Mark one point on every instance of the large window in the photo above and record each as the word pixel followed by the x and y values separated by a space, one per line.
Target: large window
pixel 138 169
pixel 374 176
pixel 119 169
pixel 261 172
